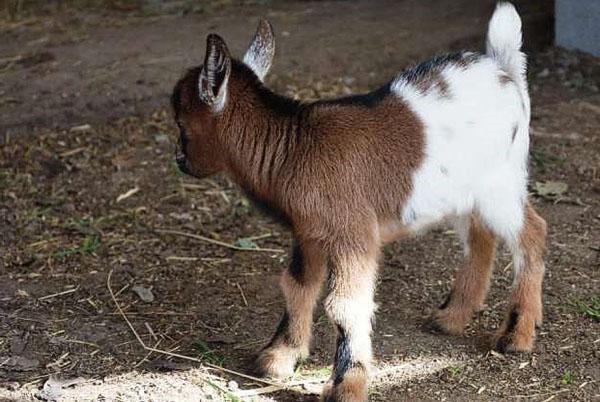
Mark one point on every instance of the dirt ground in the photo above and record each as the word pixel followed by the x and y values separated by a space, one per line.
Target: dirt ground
pixel 88 187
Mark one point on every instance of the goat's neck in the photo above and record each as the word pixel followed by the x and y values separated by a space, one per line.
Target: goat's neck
pixel 262 142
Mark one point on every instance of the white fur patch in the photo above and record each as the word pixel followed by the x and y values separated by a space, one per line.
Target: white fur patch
pixel 476 146
pixel 255 59
pixel 351 305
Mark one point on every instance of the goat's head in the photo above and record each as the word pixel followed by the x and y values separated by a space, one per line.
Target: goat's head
pixel 202 97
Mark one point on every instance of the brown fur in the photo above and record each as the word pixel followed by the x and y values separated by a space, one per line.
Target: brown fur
pixel 285 161
pixel 296 160
pixel 337 172
pixel 352 389
pixel 471 283
pixel 525 313
pixel 434 81
pixel 280 357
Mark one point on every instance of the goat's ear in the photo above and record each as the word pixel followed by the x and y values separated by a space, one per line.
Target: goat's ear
pixel 259 55
pixel 212 83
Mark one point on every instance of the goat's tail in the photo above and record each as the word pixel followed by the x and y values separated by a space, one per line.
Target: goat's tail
pixel 504 42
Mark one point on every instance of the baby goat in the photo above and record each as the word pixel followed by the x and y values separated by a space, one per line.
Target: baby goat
pixel 446 140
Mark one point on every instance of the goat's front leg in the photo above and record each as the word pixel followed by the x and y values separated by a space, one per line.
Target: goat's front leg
pixel 350 307
pixel 301 283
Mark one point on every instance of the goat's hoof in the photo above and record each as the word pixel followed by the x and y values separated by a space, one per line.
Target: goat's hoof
pixel 352 388
pixel 517 334
pixel 515 340
pixel 277 361
pixel 447 322
pixel 431 325
pixel 513 343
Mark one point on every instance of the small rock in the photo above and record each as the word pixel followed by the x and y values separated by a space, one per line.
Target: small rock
pixel 544 73
pixel 232 385
pixel 53 387
pixel 185 216
pixel 144 293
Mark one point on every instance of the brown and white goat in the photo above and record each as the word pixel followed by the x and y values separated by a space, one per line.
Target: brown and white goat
pixel 446 140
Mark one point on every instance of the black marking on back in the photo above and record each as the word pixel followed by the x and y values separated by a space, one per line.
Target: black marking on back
pixel 416 73
pixel 276 103
pixel 369 99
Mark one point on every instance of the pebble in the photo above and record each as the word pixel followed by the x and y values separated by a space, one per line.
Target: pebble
pixel 143 293
pixel 544 73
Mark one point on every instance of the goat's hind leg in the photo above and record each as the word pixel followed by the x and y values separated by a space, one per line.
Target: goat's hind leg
pixel 472 280
pixel 301 283
pixel 517 334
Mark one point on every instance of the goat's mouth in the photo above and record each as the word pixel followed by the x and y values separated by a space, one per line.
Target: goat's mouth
pixel 184 167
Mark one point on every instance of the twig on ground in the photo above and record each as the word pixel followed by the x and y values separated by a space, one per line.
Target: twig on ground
pixel 177 258
pixel 242 293
pixel 277 387
pixel 66 292
pixel 147 355
pixel 122 290
pixel 540 394
pixel 218 242
pixel 72 152
pixel 268 389
pixel 250 344
pixel 152 334
pixel 94 345
pixel 34 380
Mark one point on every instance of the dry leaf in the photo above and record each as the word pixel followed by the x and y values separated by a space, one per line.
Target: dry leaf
pixel 128 194
pixel 550 189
